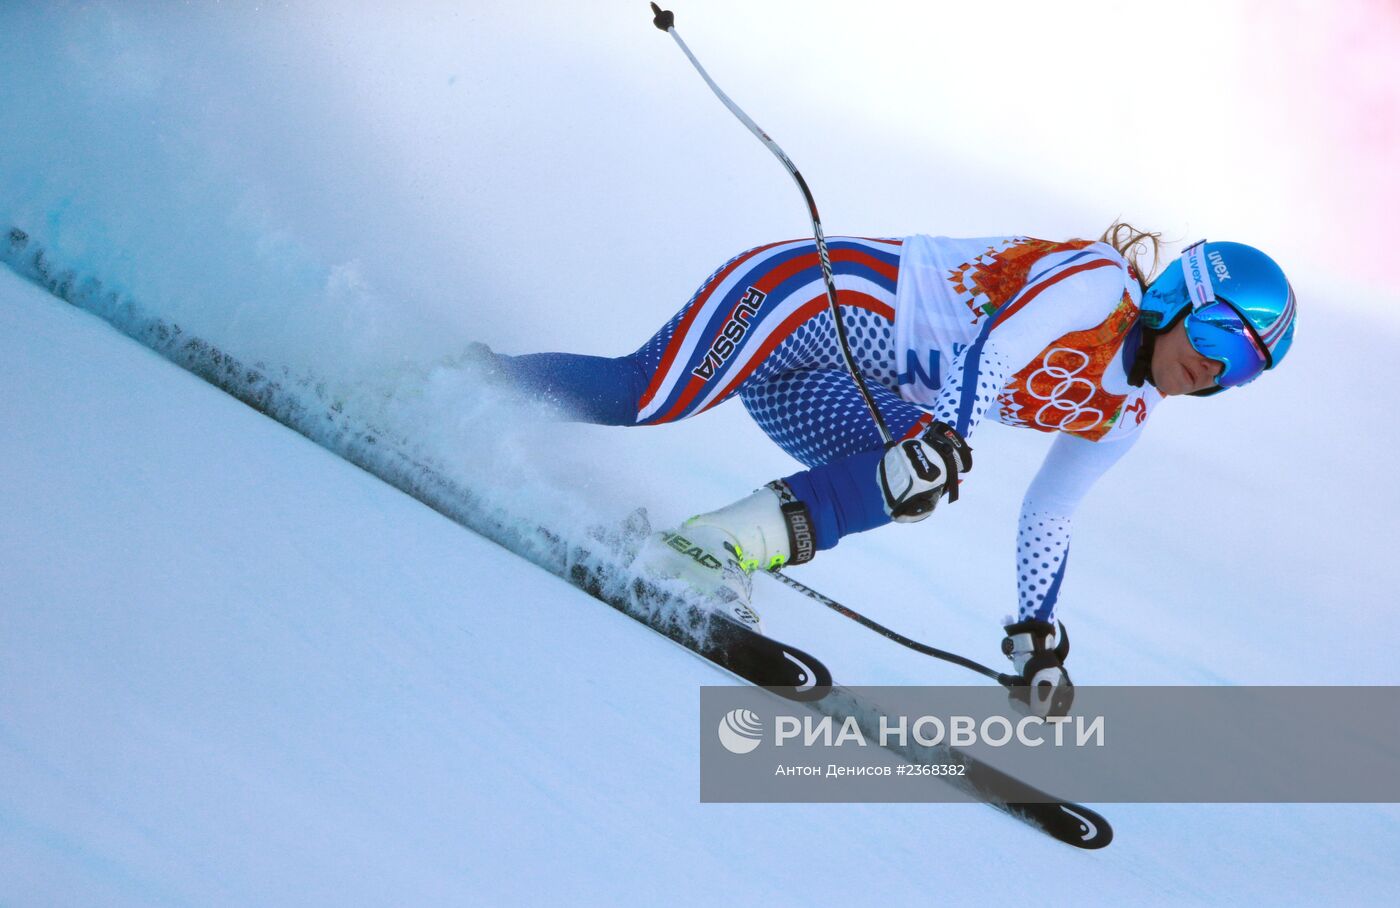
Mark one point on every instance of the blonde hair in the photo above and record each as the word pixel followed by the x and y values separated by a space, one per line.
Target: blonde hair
pixel 1134 244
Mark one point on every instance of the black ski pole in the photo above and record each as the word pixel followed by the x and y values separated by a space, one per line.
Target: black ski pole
pixel 1006 680
pixel 666 21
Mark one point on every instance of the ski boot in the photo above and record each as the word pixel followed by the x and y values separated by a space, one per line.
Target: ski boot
pixel 716 553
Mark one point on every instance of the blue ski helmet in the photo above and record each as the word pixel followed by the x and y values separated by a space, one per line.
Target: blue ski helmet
pixel 1239 308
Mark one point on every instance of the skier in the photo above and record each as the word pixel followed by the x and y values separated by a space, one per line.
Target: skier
pixel 1062 337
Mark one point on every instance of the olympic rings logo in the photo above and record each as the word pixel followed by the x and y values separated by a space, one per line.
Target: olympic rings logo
pixel 1063 410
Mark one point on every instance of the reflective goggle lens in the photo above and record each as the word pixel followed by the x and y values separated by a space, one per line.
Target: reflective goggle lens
pixel 1217 331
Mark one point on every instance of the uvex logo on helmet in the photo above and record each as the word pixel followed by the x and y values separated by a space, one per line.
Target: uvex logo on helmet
pixel 1217 264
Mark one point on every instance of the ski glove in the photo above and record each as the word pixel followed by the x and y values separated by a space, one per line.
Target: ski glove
pixel 1038 650
pixel 915 473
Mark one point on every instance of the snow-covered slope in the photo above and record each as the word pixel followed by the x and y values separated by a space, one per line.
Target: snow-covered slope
pixel 236 669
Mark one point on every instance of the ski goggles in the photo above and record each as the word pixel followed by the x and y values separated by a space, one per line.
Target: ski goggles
pixel 1216 329
pixel 1217 332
